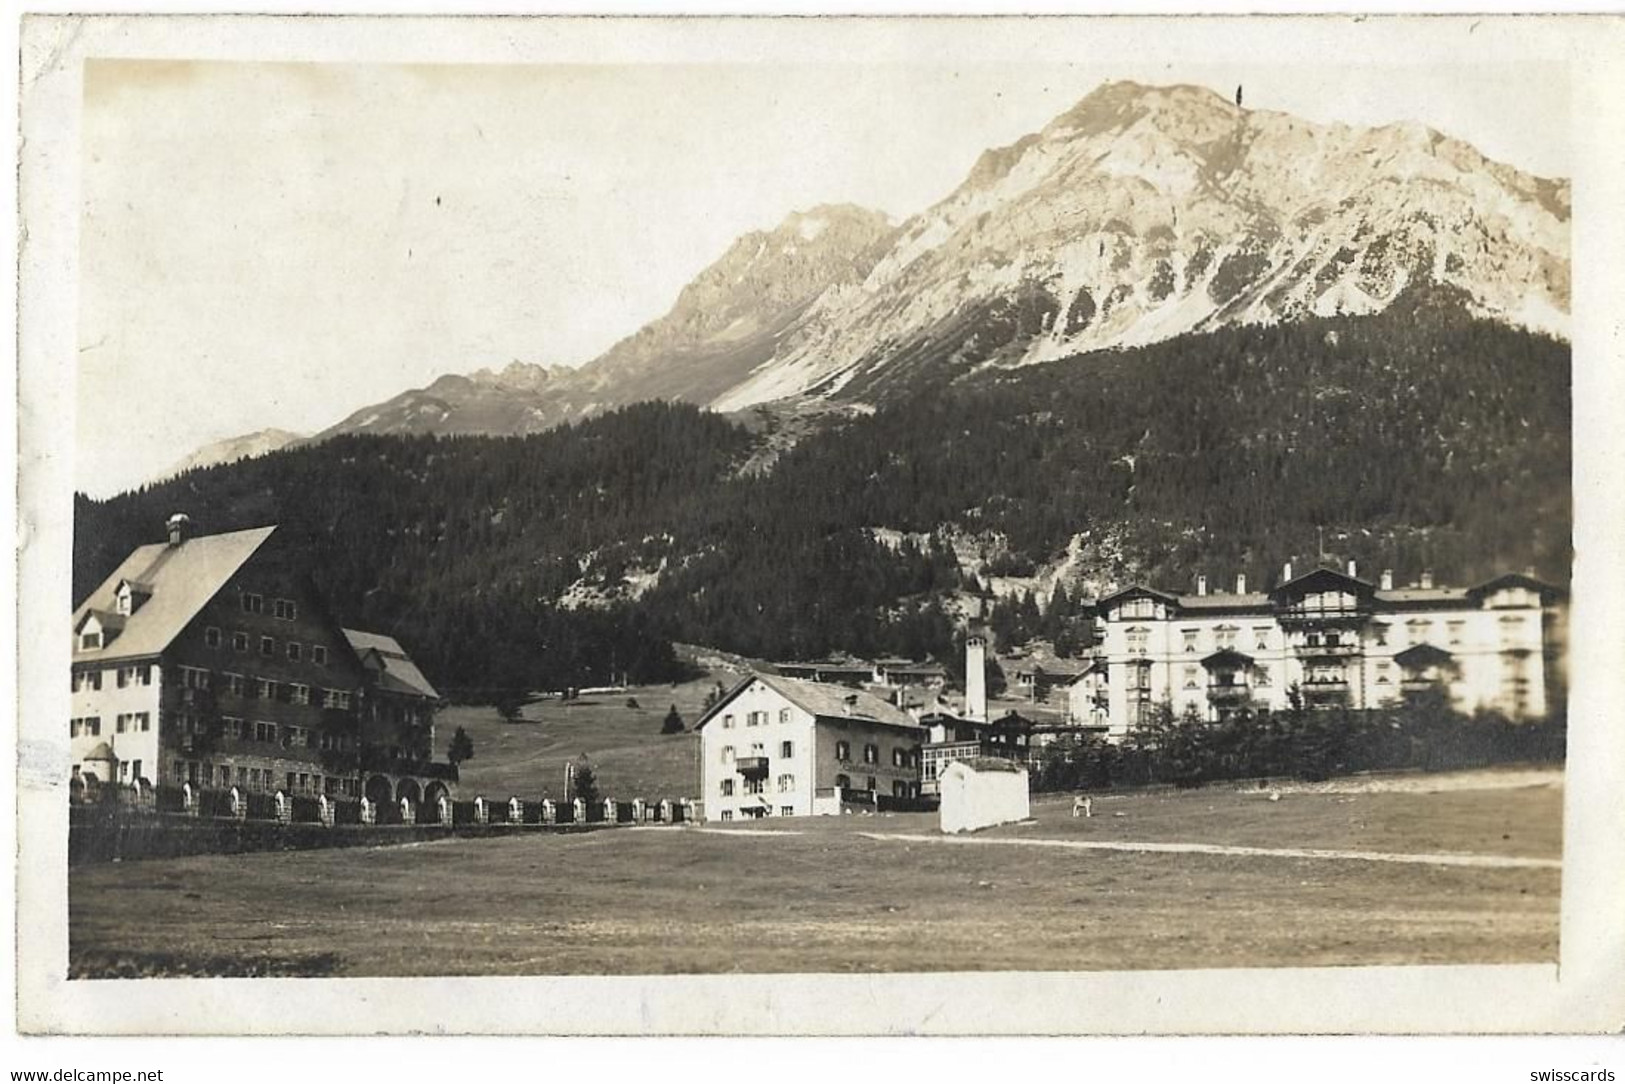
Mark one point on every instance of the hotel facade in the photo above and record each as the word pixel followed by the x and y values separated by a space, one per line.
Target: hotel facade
pixel 1328 637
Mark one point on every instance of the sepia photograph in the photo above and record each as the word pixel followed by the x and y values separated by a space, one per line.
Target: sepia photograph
pixel 625 505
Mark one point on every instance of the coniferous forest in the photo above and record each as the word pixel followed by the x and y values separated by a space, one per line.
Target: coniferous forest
pixel 1404 440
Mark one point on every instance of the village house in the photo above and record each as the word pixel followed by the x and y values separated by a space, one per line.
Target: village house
pixel 783 747
pixel 970 734
pixel 1336 638
pixel 212 661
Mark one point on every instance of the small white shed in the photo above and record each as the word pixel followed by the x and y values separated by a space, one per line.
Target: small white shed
pixel 982 792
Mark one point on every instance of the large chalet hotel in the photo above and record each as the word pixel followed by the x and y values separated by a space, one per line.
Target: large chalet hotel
pixel 1328 637
pixel 212 661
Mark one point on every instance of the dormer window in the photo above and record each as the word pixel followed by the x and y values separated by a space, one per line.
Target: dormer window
pixel 90 641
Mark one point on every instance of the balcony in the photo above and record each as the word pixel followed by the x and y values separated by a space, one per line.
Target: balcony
pixel 1340 650
pixel 751 767
pixel 1232 693
pixel 1325 690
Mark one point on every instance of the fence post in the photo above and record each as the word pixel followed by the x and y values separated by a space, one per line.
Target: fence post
pixel 550 812
pixel 189 799
pixel 516 810
pixel 284 808
pixel 482 812
pixel 580 810
pixel 369 812
pixel 663 811
pixel 324 811
pixel 239 804
pixel 409 813
pixel 444 807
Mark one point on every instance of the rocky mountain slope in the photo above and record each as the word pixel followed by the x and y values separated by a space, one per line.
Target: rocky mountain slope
pixel 1144 213
pixel 1141 214
pixel 724 324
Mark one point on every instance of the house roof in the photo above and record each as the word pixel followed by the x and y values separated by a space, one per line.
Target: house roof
pixel 1422 655
pixel 1227 656
pixel 397 672
pixel 1324 577
pixel 820 700
pixel 182 579
pixel 1251 601
pixel 1516 579
pixel 1134 591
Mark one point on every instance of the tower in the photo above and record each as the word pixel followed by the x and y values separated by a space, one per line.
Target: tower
pixel 976 678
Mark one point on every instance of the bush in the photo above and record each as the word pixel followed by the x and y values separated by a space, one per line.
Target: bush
pixel 673 723
pixel 632 704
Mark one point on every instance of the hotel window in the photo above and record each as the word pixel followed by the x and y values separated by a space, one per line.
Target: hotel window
pixel 1190 640
pixel 1261 637
pixel 1225 636
pixel 871 784
pixel 754 718
pixel 90 640
pixel 122 723
pixel 239 641
pixel 1383 670
pixel 727 814
pixel 1453 631
pixel 1191 678
pixel 899 758
pixel 265 732
pixel 301 694
pixel 285 609
pixel 293 651
pixel 1261 676
pixel 264 689
pixel 1138 638
pixel 236 684
pixel 784 715
pixel 1511 630
pixel 318 655
pixel 252 603
pixel 787 783
pixel 193 678
pixel 787 749
pixel 844 782
pixel 267 646
pixel 1380 632
pixel 899 789
pixel 727 754
pixel 1137 607
pixel 787 810
pixel 755 786
pixel 843 751
pixel 232 727
pixel 1418 630
pixel 211 636
pixel 871 755
pixel 727 722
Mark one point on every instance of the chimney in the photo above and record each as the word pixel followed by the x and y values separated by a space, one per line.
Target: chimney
pixel 1427 579
pixel 1241 583
pixel 179 525
pixel 1286 572
pixel 851 702
pixel 1387 583
pixel 1201 585
pixel 1353 572
pixel 976 679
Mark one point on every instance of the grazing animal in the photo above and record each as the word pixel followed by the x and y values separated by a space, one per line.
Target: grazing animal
pixel 1084 806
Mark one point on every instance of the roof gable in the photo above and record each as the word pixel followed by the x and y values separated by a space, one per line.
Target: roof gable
pixel 384 654
pixel 819 700
pixel 1323 579
pixel 182 580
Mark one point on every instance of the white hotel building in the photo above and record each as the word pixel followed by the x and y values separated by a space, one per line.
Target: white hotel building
pixel 1339 639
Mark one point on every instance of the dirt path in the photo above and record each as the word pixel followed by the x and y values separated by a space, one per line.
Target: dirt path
pixel 1488 861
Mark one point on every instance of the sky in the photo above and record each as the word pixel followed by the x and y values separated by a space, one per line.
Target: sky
pixel 277 245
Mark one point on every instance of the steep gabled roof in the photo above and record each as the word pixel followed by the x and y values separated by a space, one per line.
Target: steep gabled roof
pixel 1323 578
pixel 1516 579
pixel 182 580
pixel 1227 656
pixel 1136 590
pixel 397 672
pixel 1423 655
pixel 819 700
